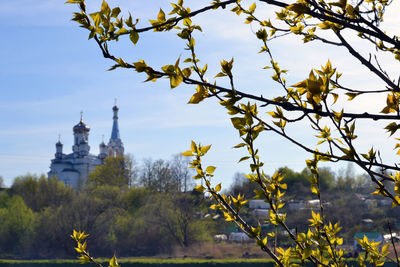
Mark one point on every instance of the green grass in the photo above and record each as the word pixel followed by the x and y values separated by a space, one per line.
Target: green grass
pixel 141 262
pixel 153 262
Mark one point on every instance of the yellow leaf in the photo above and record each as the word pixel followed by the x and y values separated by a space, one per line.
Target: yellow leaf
pixel 193 147
pixel 265 241
pixel 314 190
pixel 351 96
pixel 187 72
pixel 134 37
pixel 105 9
pixel 200 188
pixel 238 123
pixel 161 16
pixel 298 8
pixel 210 169
pixel 306 253
pixel 204 149
pixel 335 97
pixel 218 187
pixel 240 145
pixel 252 7
pixel 113 262
pixel 188 153
pixel 214 207
pixel 244 158
pixel 302 84
pixel 228 217
pixel 387 110
pixel 325 25
pixel 196 98
pixel 175 80
pixel 350 10
pixel 396 201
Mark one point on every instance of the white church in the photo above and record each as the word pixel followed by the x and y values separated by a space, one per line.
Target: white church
pixel 73 168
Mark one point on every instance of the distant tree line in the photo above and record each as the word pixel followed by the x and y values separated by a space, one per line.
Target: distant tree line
pixel 134 210
pixel 347 198
pixel 150 209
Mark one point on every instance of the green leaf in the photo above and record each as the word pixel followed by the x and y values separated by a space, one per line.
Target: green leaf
pixel 134 36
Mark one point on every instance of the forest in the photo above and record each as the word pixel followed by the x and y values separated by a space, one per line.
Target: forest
pixel 152 209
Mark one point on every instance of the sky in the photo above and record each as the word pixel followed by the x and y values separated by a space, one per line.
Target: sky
pixel 50 72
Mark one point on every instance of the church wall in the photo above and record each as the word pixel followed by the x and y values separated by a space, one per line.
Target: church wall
pixel 70 178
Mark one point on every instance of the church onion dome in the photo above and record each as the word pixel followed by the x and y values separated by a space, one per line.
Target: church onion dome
pixel 115 108
pixel 59 143
pixel 102 144
pixel 81 127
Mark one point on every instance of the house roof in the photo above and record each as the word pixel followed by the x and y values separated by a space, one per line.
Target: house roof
pixel 369 235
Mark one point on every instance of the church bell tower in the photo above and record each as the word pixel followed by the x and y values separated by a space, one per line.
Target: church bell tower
pixel 81 139
pixel 115 145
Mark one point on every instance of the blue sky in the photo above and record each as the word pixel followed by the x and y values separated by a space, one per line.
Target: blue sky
pixel 49 72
